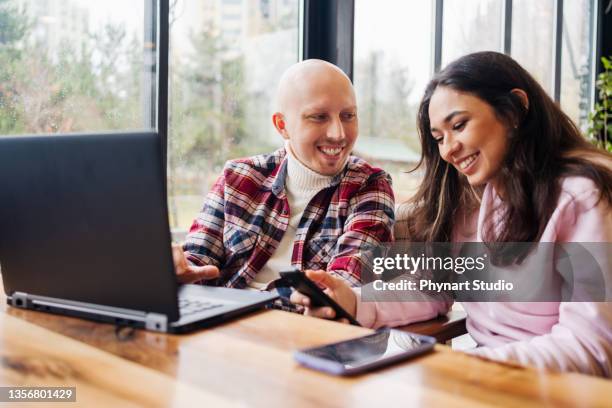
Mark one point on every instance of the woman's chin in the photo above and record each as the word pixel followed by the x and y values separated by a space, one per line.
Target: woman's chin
pixel 475 181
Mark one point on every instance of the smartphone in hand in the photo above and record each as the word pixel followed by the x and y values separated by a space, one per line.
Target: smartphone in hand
pixel 300 282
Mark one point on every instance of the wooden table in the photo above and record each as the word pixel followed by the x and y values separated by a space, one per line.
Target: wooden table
pixel 248 362
pixel 443 328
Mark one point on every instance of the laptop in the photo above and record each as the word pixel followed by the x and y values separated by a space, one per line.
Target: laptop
pixel 84 232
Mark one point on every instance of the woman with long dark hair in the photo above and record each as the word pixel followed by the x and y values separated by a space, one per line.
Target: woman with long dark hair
pixel 504 164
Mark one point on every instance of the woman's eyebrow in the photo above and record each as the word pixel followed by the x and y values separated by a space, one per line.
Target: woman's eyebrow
pixel 449 117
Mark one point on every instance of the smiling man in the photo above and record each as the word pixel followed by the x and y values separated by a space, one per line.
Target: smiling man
pixel 309 204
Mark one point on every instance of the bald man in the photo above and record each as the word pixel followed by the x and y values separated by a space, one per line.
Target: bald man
pixel 309 204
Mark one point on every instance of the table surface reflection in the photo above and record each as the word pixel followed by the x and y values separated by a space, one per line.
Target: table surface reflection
pixel 248 362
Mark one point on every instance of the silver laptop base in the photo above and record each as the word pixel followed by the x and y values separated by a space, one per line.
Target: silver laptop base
pixel 120 316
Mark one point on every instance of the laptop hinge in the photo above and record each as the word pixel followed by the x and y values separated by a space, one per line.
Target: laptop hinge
pixel 156 322
pixel 20 300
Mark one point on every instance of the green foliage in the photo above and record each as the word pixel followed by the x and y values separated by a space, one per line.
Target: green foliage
pixel 208 118
pixel 14 27
pixel 600 128
pixel 90 86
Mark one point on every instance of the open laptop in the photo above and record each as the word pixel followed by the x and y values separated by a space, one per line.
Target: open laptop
pixel 84 232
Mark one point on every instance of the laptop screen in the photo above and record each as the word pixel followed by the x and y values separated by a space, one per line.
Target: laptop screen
pixel 84 217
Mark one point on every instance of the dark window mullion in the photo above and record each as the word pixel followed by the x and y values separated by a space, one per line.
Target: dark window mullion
pixel 507 27
pixel 437 35
pixel 557 45
pixel 162 77
pixel 345 35
pixel 149 81
pixel 329 32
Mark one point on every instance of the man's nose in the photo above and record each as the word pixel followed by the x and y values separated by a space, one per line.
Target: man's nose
pixel 335 130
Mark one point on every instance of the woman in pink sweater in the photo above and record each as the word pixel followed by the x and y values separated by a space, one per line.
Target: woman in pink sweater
pixel 504 164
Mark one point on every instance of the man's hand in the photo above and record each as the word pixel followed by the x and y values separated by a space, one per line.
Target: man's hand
pixel 335 289
pixel 187 273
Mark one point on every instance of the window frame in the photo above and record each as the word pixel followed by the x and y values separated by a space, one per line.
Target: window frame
pixel 160 20
pixel 329 32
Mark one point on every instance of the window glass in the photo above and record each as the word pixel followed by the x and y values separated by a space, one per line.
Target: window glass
pixel 226 57
pixel 393 54
pixel 533 38
pixel 74 66
pixel 470 26
pixel 392 64
pixel 576 87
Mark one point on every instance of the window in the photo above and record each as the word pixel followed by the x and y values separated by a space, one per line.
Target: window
pixel 86 66
pixel 223 75
pixel 577 59
pixel 531 20
pixel 392 64
pixel 470 26
pixel 536 19
pixel 73 66
pixel 394 54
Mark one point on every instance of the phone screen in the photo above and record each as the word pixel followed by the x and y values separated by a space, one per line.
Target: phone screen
pixel 382 345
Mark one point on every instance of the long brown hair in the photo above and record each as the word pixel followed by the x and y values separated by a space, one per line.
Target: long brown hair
pixel 545 147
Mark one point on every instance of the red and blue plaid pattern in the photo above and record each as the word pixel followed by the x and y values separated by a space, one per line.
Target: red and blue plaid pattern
pixel 246 214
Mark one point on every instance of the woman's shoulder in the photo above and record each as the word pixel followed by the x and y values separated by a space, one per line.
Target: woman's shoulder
pixel 582 214
pixel 577 186
pixel 578 190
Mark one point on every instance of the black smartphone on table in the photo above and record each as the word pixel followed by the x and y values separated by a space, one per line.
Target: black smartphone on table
pixel 299 281
pixel 381 348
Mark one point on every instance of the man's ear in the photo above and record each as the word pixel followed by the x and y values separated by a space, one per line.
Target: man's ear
pixel 523 96
pixel 278 120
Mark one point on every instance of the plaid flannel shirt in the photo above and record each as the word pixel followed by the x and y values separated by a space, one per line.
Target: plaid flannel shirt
pixel 246 214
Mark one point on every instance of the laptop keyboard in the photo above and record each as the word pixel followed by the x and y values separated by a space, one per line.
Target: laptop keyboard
pixel 191 306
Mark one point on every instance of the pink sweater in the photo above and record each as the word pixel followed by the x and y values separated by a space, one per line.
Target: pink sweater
pixel 566 336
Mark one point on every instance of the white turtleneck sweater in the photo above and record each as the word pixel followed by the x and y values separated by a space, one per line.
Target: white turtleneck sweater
pixel 301 185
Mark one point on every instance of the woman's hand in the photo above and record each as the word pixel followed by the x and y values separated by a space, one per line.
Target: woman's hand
pixel 334 288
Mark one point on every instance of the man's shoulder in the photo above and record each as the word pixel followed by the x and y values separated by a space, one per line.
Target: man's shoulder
pixel 360 169
pixel 261 164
